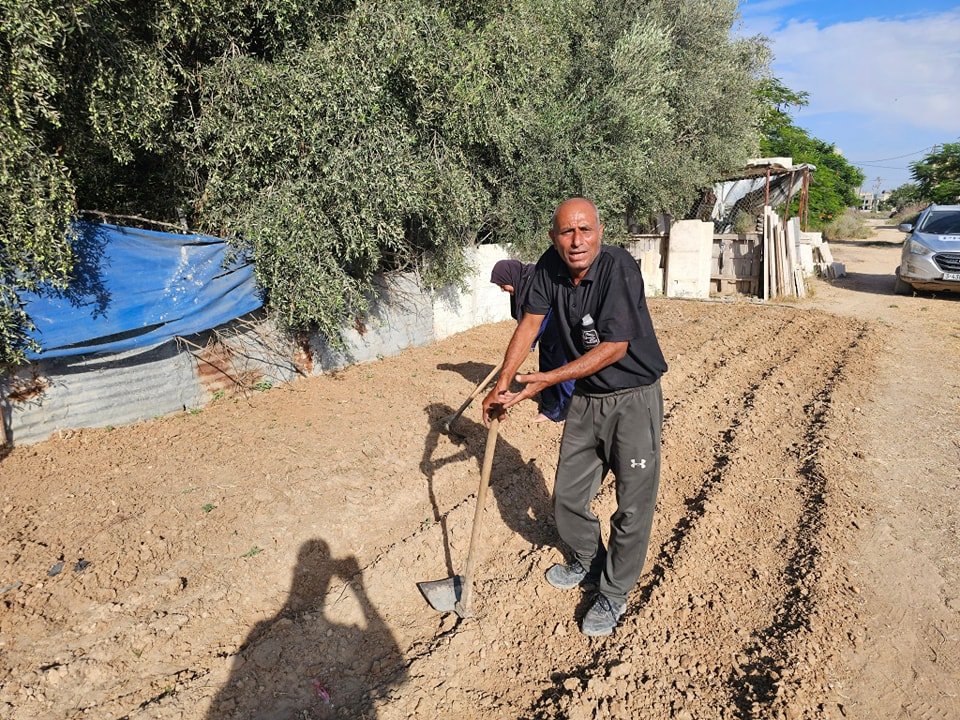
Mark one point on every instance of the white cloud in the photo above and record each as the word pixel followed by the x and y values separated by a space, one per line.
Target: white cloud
pixel 901 70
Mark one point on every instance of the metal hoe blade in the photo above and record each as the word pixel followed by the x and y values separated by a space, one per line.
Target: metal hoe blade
pixel 443 595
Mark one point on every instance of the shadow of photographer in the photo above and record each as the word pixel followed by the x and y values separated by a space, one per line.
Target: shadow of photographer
pixel 321 656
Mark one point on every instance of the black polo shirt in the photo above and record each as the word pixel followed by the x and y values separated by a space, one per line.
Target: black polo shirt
pixel 611 293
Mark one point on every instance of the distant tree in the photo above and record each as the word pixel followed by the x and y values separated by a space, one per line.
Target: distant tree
pixel 834 184
pixel 938 175
pixel 904 195
pixel 776 102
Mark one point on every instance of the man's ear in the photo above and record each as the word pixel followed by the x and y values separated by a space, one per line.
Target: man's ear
pixel 601 230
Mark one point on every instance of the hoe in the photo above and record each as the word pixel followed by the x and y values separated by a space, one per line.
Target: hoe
pixel 448 421
pixel 455 594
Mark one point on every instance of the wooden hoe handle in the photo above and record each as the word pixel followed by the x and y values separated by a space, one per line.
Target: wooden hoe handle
pixel 464 608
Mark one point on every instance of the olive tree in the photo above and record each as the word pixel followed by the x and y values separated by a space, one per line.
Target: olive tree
pixel 334 140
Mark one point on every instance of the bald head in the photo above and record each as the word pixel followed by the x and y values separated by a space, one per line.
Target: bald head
pixel 585 204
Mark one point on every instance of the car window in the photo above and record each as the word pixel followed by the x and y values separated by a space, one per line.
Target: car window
pixel 943 222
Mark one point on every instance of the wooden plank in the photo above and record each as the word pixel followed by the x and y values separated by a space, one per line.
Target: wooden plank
pixel 784 281
pixel 768 261
pixel 729 270
pixel 775 286
pixel 800 284
pixel 788 288
pixel 774 256
pixel 764 260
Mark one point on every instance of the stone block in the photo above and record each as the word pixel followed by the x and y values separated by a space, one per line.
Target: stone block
pixel 688 259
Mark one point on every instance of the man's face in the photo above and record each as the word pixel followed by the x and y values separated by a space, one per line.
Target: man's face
pixel 576 235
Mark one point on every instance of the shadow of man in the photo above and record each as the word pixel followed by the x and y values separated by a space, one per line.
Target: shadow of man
pixel 519 487
pixel 472 371
pixel 327 653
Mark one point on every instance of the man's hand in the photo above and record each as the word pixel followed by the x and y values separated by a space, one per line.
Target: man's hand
pixel 532 383
pixel 493 404
pixel 498 400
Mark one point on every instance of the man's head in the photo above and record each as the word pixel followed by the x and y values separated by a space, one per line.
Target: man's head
pixel 576 234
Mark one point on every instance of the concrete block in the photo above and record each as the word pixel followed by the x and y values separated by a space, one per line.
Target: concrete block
pixel 806 258
pixel 770 161
pixel 688 259
pixel 652 273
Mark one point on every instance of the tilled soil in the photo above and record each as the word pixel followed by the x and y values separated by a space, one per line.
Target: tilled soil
pixel 259 558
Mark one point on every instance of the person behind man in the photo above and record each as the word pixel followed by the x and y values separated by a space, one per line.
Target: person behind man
pixel 595 292
pixel 514 278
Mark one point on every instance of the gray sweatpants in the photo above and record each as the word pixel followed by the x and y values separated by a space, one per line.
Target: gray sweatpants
pixel 619 431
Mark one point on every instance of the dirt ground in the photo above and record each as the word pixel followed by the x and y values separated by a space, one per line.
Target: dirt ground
pixel 258 558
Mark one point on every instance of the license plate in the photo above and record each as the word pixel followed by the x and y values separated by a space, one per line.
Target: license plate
pixel 951 276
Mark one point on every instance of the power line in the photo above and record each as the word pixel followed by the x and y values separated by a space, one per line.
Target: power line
pixel 862 162
pixel 880 167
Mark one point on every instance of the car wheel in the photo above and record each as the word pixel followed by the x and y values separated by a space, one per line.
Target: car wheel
pixel 900 287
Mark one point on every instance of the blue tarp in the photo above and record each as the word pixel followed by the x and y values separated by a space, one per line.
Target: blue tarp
pixel 136 288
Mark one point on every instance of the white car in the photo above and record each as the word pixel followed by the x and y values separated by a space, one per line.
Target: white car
pixel 931 252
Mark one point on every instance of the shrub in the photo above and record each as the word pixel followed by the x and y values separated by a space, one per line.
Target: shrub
pixel 848 226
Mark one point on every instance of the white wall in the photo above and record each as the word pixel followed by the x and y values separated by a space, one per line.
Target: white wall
pixel 480 302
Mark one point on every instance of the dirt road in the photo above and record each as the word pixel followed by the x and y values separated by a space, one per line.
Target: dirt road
pixel 258 558
pixel 905 661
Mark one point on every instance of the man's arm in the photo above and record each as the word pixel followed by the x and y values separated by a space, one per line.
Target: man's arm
pixel 593 361
pixel 517 351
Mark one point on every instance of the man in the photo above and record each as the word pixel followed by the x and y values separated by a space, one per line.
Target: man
pixel 596 295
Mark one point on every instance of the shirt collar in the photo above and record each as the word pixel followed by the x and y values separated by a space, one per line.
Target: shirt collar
pixel 589 277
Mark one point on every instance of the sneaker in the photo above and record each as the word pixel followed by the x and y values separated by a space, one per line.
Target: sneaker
pixel 566 577
pixel 602 617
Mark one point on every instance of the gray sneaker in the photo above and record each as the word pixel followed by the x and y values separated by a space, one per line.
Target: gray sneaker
pixel 566 577
pixel 602 617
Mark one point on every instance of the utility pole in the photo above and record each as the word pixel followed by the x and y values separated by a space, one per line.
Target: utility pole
pixel 876 194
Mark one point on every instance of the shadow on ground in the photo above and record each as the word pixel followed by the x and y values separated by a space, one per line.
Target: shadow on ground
pixel 519 487
pixel 868 243
pixel 882 284
pixel 312 660
pixel 472 371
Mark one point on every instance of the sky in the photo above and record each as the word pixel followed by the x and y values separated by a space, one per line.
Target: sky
pixel 883 76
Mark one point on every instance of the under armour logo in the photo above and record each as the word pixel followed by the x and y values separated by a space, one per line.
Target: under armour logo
pixel 642 464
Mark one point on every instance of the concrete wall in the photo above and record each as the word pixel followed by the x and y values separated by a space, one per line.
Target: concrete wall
pixel 400 317
pixel 480 302
pixel 96 391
